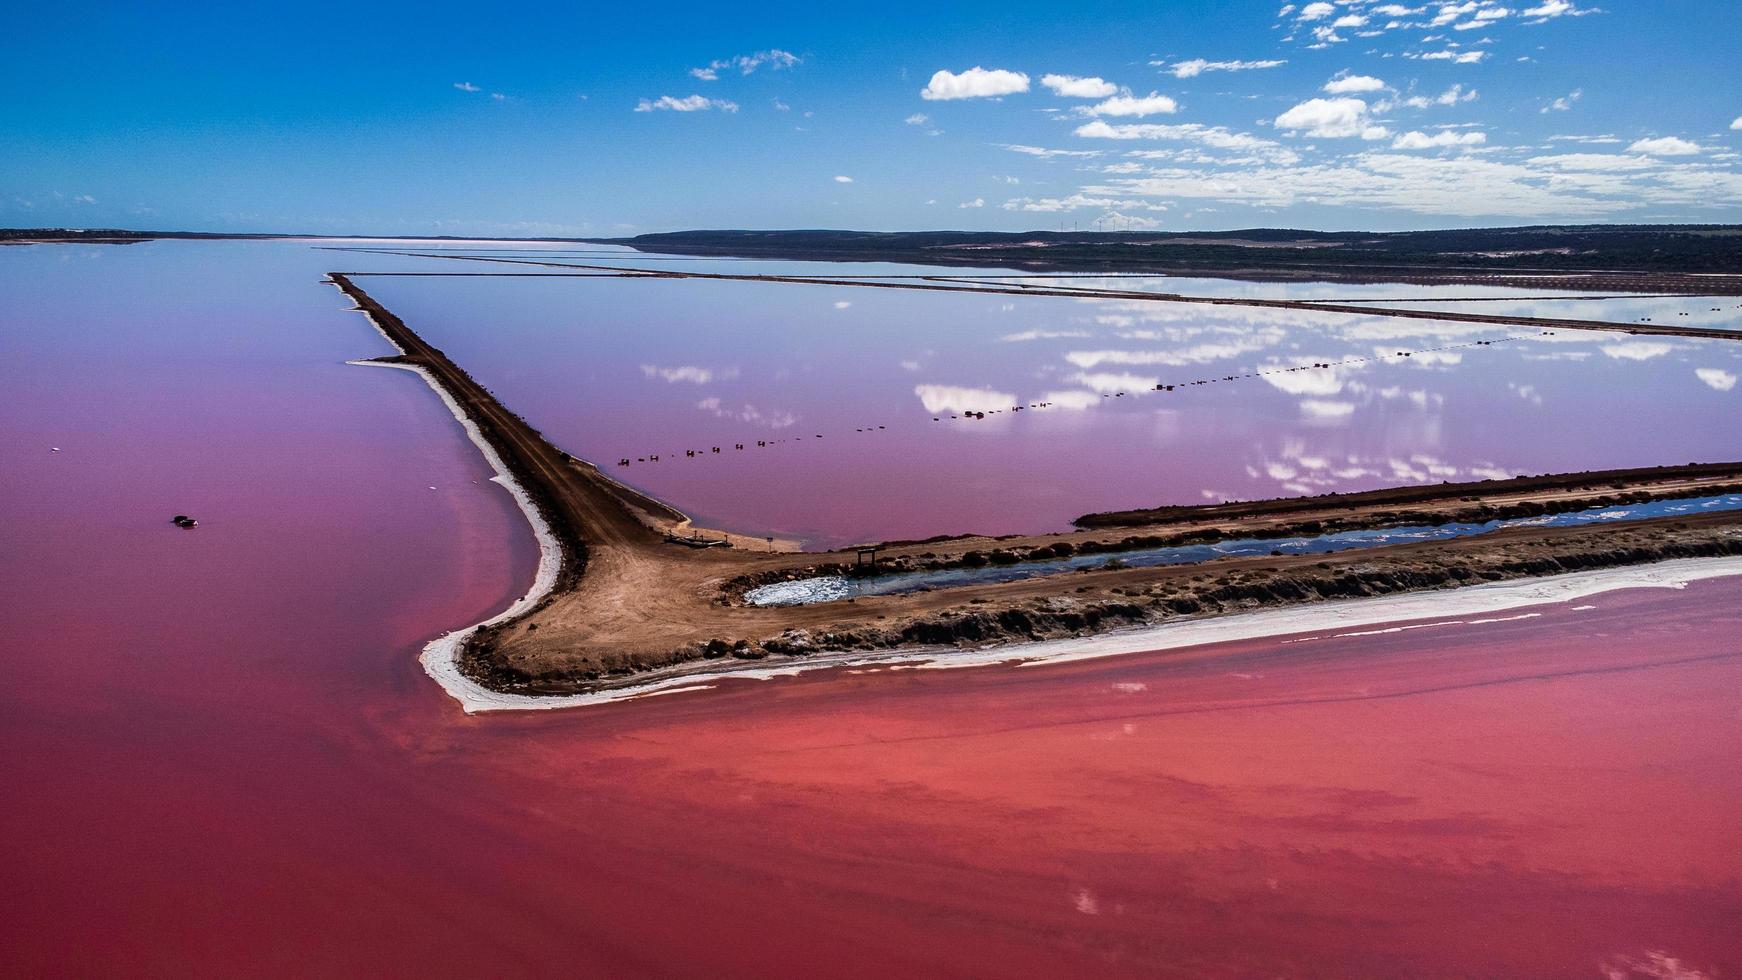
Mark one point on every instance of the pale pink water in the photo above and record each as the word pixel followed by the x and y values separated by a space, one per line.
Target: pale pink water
pixel 634 368
pixel 221 758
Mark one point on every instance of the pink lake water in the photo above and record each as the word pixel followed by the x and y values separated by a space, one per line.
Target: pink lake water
pixel 222 759
pixel 844 383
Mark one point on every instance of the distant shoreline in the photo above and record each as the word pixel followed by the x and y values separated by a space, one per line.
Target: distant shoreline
pixel 1707 261
pixel 1691 259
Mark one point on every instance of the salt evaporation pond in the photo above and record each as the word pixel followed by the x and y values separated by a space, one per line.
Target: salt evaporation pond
pixel 619 368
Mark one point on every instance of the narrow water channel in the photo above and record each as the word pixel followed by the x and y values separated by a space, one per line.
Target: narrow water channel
pixel 831 588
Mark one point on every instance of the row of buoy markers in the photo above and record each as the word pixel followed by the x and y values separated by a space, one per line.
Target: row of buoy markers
pixel 1715 309
pixel 970 414
pixel 718 450
pixel 978 415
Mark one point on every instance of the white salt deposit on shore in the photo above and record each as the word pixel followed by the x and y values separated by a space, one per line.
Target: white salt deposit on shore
pixel 1450 607
pixel 440 657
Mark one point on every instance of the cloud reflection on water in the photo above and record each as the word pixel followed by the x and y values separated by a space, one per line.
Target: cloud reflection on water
pixel 1107 440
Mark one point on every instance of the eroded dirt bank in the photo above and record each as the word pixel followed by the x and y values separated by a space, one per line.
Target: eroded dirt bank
pixel 627 600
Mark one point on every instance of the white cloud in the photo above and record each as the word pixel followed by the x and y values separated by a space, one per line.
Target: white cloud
pixel 1593 162
pixel 1215 137
pixel 1554 8
pixel 1716 379
pixel 1044 153
pixel 1073 87
pixel 1421 167
pixel 1451 96
pixel 1073 399
pixel 749 414
pixel 1737 124
pixel 843 179
pixel 774 58
pixel 1331 119
pixel 1463 185
pixel 1129 222
pixel 1197 66
pixel 1665 146
pixel 1636 350
pixel 1107 383
pixel 1450 12
pixel 1133 105
pixel 1038 334
pixel 978 202
pixel 1322 24
pixel 1323 410
pixel 975 83
pixel 1434 358
pixel 956 398
pixel 686 373
pixel 917 119
pixel 1353 84
pixel 1203 353
pixel 1321 383
pixel 1417 140
pixel 1456 57
pixel 690 103
pixel 1071 203
pixel 1565 102
pixel 467 87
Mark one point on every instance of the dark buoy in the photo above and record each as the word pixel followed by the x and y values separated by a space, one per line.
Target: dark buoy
pixel 182 520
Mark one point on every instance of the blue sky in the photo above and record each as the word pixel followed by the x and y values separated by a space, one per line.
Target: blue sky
pixel 526 120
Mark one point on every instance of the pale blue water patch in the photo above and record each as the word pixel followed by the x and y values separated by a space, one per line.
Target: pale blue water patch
pixel 830 588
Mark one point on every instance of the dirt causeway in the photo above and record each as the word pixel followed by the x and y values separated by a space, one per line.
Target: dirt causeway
pixel 629 600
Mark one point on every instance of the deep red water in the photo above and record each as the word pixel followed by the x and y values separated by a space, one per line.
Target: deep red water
pixel 221 758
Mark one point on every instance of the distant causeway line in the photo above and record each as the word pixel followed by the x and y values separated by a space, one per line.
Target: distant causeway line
pixel 941 284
